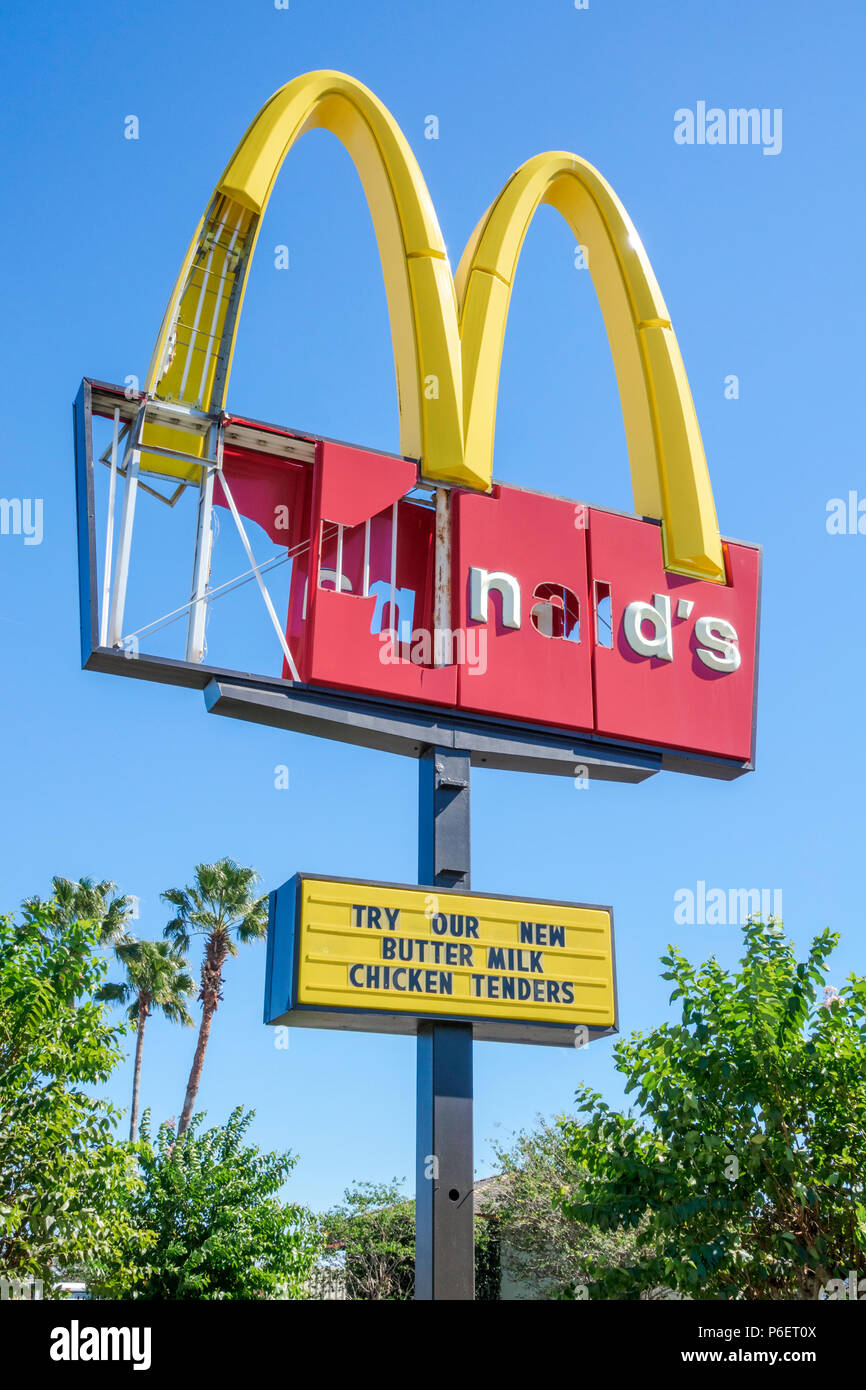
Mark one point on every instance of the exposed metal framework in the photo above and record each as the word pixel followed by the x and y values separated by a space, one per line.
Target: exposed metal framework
pixel 144 412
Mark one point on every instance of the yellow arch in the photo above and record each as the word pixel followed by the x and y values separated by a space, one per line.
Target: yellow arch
pixel 191 362
pixel 669 472
pixel 446 358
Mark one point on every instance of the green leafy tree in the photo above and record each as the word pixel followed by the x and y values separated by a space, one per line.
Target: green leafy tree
pixel 156 979
pixel 369 1240
pixel 82 900
pixel 745 1169
pixel 63 1178
pixel 542 1249
pixel 488 1258
pixel 207 1221
pixel 221 906
pixel 371 1236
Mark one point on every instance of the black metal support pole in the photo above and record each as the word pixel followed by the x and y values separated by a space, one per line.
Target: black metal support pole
pixel 444 1206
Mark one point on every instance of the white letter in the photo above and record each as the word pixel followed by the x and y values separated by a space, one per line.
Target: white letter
pixel 420 651
pixel 716 906
pixel 59 1344
pixel 389 651
pixel 684 132
pixel 32 527
pixel 141 1348
pixel 89 1344
pixel 741 122
pixel 837 519
pixel 684 912
pixel 480 584
pixel 476 650
pixel 10 516
pixel 717 126
pixel 659 614
pixel 720 651
pixel 775 146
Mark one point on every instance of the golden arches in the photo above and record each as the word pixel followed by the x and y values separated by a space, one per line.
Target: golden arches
pixel 418 281
pixel 670 479
pixel 447 357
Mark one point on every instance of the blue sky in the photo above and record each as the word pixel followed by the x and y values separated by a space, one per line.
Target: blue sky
pixel 758 259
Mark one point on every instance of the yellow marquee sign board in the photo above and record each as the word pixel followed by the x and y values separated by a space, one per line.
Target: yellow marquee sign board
pixel 384 957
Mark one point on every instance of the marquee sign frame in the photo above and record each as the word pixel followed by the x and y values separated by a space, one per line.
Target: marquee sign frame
pixel 289 947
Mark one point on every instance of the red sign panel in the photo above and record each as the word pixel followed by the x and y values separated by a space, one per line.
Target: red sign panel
pixel 526 560
pixel 560 615
pixel 680 668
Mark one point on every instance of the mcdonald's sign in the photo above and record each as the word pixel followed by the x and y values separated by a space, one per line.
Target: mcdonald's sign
pixel 534 631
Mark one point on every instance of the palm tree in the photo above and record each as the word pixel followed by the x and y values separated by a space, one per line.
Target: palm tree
pixel 222 906
pixel 156 978
pixel 77 900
